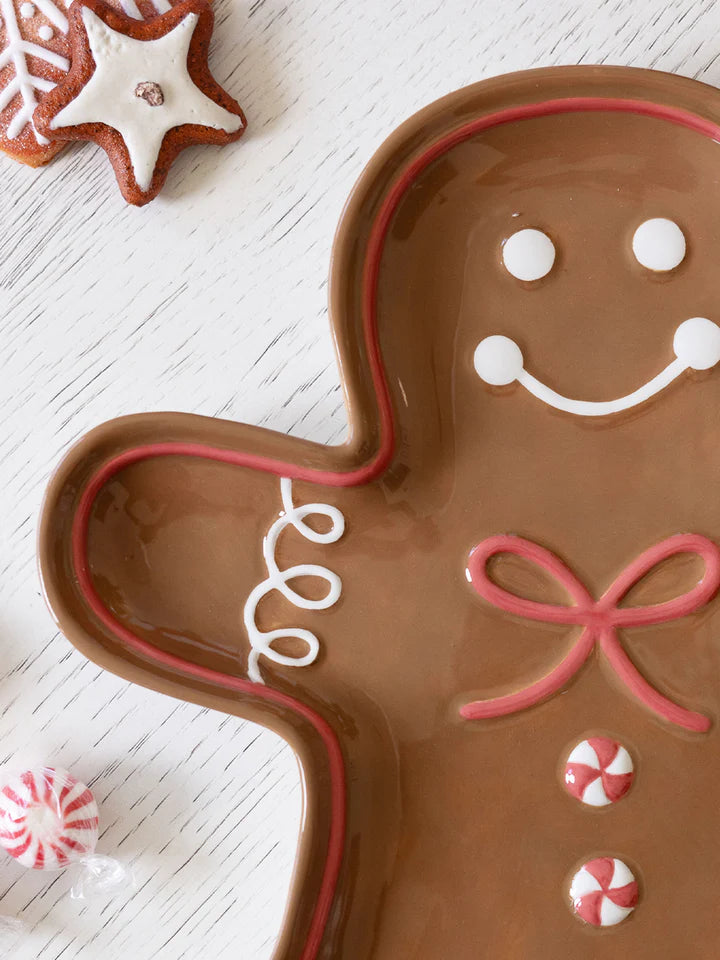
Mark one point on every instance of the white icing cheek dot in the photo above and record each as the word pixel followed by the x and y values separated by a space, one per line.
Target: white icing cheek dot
pixel 603 892
pixel 45 32
pixel 528 254
pixel 697 343
pixel 498 360
pixel 27 10
pixel 659 244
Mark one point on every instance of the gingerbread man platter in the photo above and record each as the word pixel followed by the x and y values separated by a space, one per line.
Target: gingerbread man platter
pixel 488 622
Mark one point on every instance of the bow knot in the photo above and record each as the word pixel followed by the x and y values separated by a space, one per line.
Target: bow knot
pixel 600 619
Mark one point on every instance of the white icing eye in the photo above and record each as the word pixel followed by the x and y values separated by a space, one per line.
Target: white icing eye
pixel 659 244
pixel 528 254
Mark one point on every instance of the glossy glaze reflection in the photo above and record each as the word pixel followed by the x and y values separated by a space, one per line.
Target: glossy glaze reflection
pixel 460 842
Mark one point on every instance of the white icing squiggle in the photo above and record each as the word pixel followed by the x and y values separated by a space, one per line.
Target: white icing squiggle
pixel 260 640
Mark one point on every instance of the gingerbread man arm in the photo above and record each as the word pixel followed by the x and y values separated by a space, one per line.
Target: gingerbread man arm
pixel 122 456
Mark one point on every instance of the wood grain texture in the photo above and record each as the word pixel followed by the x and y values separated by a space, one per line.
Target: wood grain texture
pixel 212 300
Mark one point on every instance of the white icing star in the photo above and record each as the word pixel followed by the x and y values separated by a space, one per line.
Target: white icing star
pixel 121 63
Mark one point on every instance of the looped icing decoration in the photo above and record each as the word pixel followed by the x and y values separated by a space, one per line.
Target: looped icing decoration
pixel 600 619
pixel 261 641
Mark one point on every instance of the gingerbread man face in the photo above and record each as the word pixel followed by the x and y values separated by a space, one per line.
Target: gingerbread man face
pixel 487 624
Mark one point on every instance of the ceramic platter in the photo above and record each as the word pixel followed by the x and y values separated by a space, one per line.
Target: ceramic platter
pixel 488 623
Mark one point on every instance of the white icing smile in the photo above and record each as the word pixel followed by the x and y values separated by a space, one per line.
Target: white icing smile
pixel 499 361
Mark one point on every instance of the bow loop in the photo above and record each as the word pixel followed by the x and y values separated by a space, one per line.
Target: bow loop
pixel 680 606
pixel 512 603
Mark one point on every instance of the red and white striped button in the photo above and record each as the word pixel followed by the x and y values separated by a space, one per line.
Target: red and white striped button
pixel 599 771
pixel 604 892
pixel 48 819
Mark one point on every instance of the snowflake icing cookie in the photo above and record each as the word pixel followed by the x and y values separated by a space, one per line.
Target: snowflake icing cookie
pixel 143 91
pixel 34 57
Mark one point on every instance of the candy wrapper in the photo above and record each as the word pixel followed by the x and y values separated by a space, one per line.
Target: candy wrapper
pixel 48 821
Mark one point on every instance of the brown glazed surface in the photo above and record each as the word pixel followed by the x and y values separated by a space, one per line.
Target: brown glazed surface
pixel 460 838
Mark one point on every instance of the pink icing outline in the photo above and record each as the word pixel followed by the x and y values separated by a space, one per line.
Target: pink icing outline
pixel 600 619
pixel 329 477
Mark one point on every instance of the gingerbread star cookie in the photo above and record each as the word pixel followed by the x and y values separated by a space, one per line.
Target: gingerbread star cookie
pixel 143 91
pixel 34 57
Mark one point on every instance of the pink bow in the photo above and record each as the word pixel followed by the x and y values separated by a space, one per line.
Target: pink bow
pixel 599 618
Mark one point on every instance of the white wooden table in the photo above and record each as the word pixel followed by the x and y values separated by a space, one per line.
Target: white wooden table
pixel 212 300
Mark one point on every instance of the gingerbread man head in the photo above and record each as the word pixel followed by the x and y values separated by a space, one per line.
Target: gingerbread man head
pixel 503 584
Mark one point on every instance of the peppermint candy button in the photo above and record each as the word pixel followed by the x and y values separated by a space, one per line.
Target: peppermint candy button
pixel 48 819
pixel 599 771
pixel 604 892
